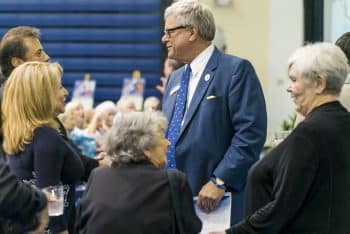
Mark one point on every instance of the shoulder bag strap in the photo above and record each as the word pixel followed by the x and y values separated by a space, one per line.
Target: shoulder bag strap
pixel 174 187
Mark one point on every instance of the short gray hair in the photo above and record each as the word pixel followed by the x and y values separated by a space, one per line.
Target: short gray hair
pixel 321 59
pixel 193 13
pixel 131 134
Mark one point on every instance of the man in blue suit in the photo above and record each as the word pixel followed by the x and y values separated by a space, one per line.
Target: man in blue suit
pixel 215 107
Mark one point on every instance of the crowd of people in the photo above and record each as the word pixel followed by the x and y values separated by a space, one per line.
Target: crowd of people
pixel 204 138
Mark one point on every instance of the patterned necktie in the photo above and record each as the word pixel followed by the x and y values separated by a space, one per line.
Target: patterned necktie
pixel 176 120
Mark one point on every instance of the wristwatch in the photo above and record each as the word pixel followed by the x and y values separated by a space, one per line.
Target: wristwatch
pixel 219 183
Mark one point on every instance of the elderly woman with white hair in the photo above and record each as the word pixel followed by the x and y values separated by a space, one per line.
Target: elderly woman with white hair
pixel 88 140
pixel 134 194
pixel 102 119
pixel 303 185
pixel 75 110
pixel 151 103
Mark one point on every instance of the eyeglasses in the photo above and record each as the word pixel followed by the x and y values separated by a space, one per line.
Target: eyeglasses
pixel 168 32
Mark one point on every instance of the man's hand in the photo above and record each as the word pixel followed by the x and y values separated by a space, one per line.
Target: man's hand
pixel 209 197
pixel 218 232
pixel 161 88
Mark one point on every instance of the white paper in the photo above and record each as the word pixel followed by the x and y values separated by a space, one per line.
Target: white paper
pixel 217 220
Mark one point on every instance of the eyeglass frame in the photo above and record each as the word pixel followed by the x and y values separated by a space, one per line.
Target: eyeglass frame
pixel 167 32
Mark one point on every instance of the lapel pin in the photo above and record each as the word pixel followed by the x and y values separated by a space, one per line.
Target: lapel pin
pixel 207 77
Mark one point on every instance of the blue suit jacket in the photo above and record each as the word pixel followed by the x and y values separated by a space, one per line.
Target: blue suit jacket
pixel 224 128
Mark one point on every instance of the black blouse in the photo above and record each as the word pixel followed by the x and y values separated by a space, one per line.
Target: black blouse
pixel 303 185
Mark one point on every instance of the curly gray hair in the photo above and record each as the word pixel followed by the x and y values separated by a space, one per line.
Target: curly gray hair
pixel 131 134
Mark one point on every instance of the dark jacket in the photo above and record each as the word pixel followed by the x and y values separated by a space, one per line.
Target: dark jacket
pixel 19 203
pixel 49 160
pixel 303 185
pixel 89 163
pixel 134 199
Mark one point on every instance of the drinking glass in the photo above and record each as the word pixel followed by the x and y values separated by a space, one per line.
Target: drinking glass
pixel 55 200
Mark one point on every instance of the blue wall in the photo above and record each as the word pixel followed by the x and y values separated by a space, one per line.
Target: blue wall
pixel 106 38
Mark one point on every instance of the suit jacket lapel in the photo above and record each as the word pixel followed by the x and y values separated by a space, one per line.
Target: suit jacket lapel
pixel 201 89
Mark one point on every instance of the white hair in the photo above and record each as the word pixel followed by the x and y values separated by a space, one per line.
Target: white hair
pixel 103 106
pixel 193 13
pixel 321 59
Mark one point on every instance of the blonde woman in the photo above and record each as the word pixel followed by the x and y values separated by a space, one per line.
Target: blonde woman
pixel 33 96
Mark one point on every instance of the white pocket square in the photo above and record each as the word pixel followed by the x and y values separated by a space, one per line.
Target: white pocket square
pixel 210 97
pixel 176 88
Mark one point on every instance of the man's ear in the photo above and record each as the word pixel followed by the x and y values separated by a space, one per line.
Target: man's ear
pixel 194 33
pixel 15 61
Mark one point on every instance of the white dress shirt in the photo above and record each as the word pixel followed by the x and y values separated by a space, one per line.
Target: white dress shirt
pixel 197 68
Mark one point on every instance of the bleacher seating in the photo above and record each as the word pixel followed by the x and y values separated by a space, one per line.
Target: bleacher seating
pixel 106 38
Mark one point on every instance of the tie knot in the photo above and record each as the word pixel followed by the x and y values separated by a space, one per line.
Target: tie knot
pixel 188 69
pixel 186 75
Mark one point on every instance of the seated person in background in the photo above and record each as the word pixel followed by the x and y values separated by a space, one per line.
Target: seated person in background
pixel 169 66
pixel 92 130
pixel 67 119
pixel 125 105
pixel 133 195
pixel 73 118
pixel 107 111
pixel 66 130
pixel 302 185
pixel 76 109
pixel 88 114
pixel 33 97
pixel 151 104
pixel 88 139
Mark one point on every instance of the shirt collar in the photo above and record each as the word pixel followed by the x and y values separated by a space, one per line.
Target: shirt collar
pixel 199 63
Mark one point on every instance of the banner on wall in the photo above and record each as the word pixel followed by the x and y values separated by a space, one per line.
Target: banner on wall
pixel 84 91
pixel 133 89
